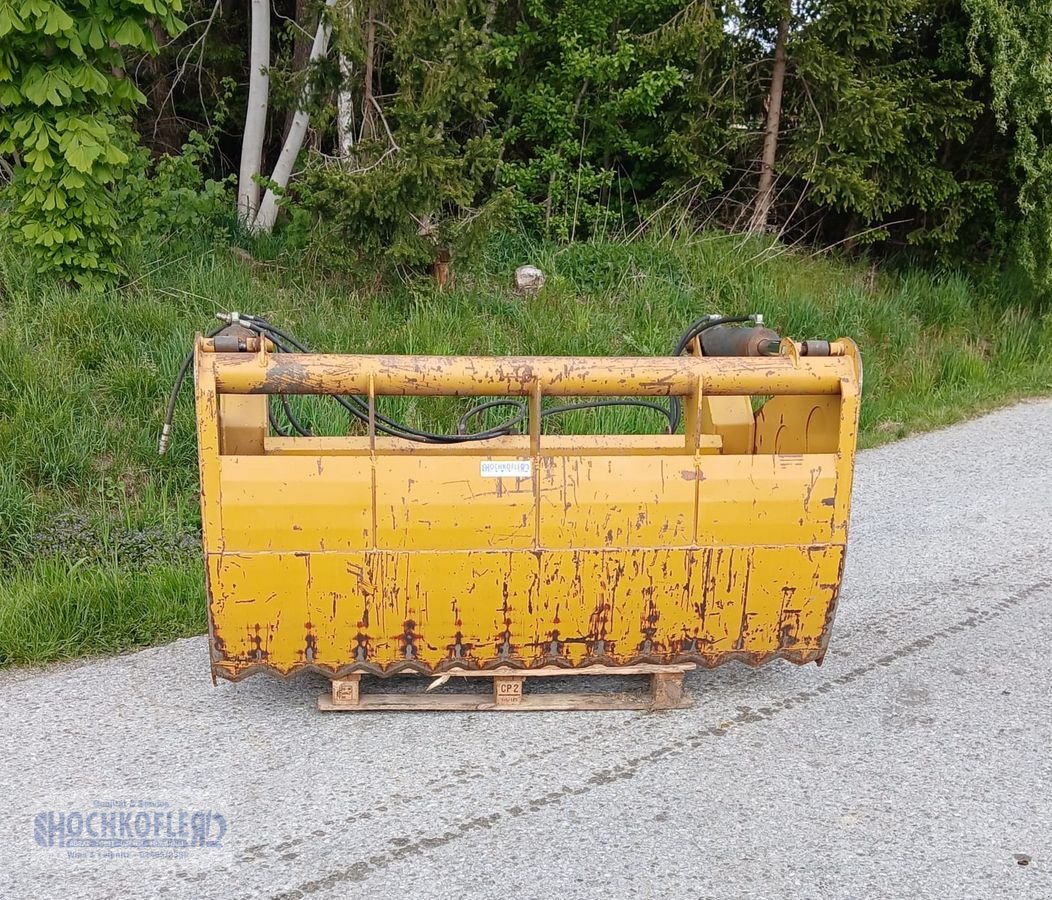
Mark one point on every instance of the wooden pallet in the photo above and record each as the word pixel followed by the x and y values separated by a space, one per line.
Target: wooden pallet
pixel 666 692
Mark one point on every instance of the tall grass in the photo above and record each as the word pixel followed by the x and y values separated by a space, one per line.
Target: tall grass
pixel 98 535
pixel 52 610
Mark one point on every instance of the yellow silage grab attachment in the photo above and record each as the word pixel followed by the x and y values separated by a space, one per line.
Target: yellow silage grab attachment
pixel 375 553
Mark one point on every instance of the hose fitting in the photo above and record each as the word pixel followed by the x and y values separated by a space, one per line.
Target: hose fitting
pixel 166 439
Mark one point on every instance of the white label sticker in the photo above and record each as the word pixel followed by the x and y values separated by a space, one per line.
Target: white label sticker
pixel 506 468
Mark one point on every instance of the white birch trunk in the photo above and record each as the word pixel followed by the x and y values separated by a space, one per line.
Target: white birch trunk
pixel 255 113
pixel 345 110
pixel 268 208
pixel 345 97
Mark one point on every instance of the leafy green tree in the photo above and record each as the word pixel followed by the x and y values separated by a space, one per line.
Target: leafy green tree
pixel 63 95
pixel 870 122
pixel 606 103
pixel 1010 43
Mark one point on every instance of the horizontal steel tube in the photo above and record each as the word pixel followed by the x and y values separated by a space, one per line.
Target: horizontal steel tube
pixel 572 376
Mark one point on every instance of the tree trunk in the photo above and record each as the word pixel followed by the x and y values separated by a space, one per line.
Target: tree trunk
pixel 268 208
pixel 301 44
pixel 368 110
pixel 167 135
pixel 345 98
pixel 255 113
pixel 765 188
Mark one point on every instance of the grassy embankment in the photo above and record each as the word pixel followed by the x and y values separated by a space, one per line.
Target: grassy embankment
pixel 98 536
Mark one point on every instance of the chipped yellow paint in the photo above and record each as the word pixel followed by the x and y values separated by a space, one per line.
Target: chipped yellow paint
pixel 207 404
pixel 375 554
pixel 617 501
pixel 732 419
pixel 481 376
pixel 444 503
pixel 265 618
pixel 300 503
pixel 760 499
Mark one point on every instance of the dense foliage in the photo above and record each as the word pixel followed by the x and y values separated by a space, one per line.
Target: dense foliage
pixel 63 92
pixel 605 103
pixel 1010 44
pixel 421 185
pixel 873 117
pixel 916 126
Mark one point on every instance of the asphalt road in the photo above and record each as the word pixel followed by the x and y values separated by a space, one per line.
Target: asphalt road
pixel 917 762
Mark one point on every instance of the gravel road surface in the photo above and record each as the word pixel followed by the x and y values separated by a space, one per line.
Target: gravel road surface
pixel 917 762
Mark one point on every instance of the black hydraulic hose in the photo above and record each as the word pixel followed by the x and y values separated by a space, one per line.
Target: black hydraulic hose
pixel 597 404
pixel 169 412
pixel 290 417
pixel 555 410
pixel 359 409
pixel 516 420
pixel 272 419
pixel 503 428
pixel 293 421
pixel 282 342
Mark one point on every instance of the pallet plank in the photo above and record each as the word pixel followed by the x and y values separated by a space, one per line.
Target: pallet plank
pixel 484 703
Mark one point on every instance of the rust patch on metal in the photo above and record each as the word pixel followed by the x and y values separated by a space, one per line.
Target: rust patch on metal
pixel 407 640
pixel 360 650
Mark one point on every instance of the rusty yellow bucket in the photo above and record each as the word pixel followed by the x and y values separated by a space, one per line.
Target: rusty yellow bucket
pixel 378 554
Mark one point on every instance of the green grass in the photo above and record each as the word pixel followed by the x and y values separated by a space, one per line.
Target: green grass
pixel 52 610
pixel 98 536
